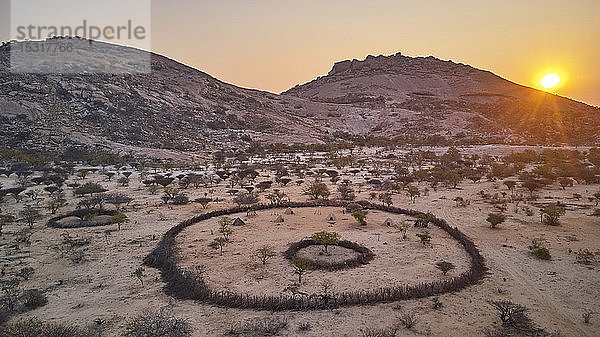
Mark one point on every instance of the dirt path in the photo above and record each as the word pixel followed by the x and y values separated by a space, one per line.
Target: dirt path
pixel 548 306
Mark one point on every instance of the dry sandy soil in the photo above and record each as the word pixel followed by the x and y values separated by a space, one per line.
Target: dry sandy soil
pixel 397 261
pixel 556 292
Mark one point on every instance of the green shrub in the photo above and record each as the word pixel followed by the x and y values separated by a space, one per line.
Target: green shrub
pixel 543 253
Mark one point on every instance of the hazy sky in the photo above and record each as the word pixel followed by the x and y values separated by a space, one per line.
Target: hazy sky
pixel 275 44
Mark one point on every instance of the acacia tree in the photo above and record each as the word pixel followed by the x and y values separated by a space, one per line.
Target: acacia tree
pixel 139 274
pixel 326 238
pixel 495 219
pixel 361 217
pixel 56 202
pixel 346 192
pixel 119 219
pixel 300 268
pixel 532 186
pixel 30 215
pixel 452 178
pixel 204 201
pixel 425 238
pixel 424 219
pixel 276 197
pixel 403 227
pixel 246 198
pixel 510 313
pixel 317 190
pixel 510 184
pixel 413 192
pixel 386 199
pixel 218 243
pixel 224 229
pixel 117 199
pixel 551 215
pixel 89 188
pixel 264 253
pixel 565 182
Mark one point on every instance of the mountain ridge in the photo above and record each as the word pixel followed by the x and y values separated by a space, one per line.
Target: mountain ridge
pixel 177 106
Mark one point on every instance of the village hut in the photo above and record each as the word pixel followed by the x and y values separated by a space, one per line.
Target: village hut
pixel 331 217
pixel 238 222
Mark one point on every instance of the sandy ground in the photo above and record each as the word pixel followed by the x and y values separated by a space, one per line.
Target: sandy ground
pixel 556 292
pixel 397 261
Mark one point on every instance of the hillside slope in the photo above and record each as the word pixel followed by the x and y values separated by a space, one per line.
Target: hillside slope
pixel 178 107
pixel 173 106
pixel 427 95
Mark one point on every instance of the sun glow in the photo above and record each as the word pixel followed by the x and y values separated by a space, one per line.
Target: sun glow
pixel 550 81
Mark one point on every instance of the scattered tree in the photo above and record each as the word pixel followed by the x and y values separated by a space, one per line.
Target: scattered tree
pixel 218 243
pixel 346 192
pixel 551 215
pixel 326 238
pixel 204 201
pixel 495 219
pixel 386 199
pixel 425 238
pixel 276 197
pixel 317 190
pixel 413 192
pixel 300 268
pixel 157 324
pixel 361 217
pixel 224 224
pixel 264 253
pixel 30 215
pixel 119 219
pixel 246 198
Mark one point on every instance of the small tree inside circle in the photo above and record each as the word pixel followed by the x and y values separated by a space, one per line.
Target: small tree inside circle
pixel 139 274
pixel 326 238
pixel 224 229
pixel 425 238
pixel 218 243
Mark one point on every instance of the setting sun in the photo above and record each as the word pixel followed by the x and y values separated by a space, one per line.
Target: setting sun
pixel 550 80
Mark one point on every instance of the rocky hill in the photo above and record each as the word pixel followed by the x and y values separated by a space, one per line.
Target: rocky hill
pixel 173 106
pixel 407 95
pixel 177 107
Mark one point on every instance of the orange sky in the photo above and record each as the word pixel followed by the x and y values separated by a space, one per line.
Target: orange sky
pixel 275 44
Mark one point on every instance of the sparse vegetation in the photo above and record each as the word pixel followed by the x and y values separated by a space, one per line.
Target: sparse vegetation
pixel 444 266
pixel 157 324
pixel 265 253
pixel 495 219
pixel 258 327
